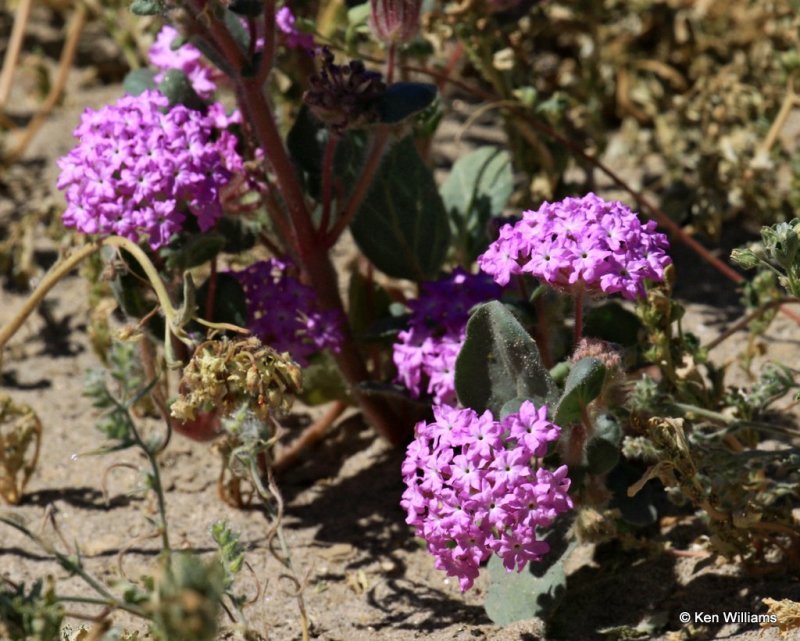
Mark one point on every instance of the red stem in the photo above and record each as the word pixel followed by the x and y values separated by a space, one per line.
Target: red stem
pixel 578 295
pixel 391 55
pixel 212 291
pixel 310 248
pixel 313 255
pixel 327 182
pixel 268 53
pixel 362 187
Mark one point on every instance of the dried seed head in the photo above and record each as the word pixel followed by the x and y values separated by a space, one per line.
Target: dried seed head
pixel 228 374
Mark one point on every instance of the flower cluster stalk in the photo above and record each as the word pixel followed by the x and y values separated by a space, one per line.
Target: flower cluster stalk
pixel 310 246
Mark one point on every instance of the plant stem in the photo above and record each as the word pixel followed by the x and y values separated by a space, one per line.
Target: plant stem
pixel 371 166
pixel 391 55
pixel 268 52
pixel 212 290
pixel 158 488
pixel 71 565
pixel 746 320
pixel 578 295
pixel 310 435
pixel 312 252
pixel 327 182
pixel 55 274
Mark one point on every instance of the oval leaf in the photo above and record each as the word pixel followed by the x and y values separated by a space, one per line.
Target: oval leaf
pixel 403 99
pixel 584 384
pixel 402 225
pixel 500 362
pixel 477 189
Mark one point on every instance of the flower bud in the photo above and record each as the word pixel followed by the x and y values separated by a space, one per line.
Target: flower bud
pixel 394 21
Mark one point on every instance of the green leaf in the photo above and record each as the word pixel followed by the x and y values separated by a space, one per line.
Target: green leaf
pixel 533 593
pixel 306 142
pixel 177 88
pixel 230 302
pixel 358 14
pixel 194 251
pixel 403 99
pixel 476 190
pixel 323 382
pixel 603 449
pixel 500 362
pixel 402 225
pixel 148 7
pixel 138 81
pixel 584 384
pixel 367 303
pixel 237 30
pixel 613 323
pixel 240 234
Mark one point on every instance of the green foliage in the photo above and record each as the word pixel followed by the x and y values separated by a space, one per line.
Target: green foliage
pixel 367 302
pixel 126 372
pixel 231 551
pixel 613 323
pixel 229 304
pixel 193 251
pixel 402 100
pixel 323 382
pixel 177 88
pixel 603 449
pixel 779 252
pixel 536 592
pixel 476 190
pixel 148 7
pixel 583 385
pixel 306 142
pixel 137 81
pixel 187 599
pixel 500 362
pixel 402 225
pixel 35 615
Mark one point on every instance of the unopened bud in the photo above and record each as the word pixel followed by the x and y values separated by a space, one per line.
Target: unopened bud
pixel 394 21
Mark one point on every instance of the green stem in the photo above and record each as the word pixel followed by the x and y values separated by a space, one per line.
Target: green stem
pixel 66 562
pixel 56 273
pixel 158 488
pixel 110 603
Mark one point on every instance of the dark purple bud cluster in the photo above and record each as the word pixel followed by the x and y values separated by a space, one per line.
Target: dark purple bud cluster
pixel 344 96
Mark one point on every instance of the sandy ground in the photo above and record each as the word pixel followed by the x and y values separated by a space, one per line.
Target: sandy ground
pixel 366 577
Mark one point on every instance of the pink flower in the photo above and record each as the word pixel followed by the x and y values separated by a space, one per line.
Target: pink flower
pixel 474 487
pixel 588 242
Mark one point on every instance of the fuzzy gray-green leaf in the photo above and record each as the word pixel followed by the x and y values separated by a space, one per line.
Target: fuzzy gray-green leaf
pixel 584 384
pixel 500 362
pixel 476 190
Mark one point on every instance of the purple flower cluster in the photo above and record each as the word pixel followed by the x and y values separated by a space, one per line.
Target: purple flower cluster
pixel 140 168
pixel 427 351
pixel 187 58
pixel 292 36
pixel 587 242
pixel 474 487
pixel 281 311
